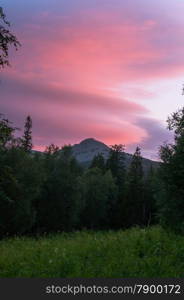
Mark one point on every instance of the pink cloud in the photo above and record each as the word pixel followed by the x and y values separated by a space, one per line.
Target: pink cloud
pixel 95 50
pixel 74 71
pixel 63 116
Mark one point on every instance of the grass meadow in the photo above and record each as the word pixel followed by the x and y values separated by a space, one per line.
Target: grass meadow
pixel 135 252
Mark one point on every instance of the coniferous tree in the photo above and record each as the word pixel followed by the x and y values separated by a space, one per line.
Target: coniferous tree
pixel 20 182
pixel 116 164
pixel 8 192
pixel 171 195
pixel 98 162
pixel 150 184
pixel 134 206
pixel 99 194
pixel 59 202
pixel 27 138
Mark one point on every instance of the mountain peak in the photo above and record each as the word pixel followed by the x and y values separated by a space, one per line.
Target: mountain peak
pixel 88 148
pixel 88 141
pixel 85 151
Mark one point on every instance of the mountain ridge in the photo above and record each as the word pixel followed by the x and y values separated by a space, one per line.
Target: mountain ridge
pixel 85 151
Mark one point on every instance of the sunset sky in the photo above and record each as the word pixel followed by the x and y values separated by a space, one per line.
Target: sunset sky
pixel 108 69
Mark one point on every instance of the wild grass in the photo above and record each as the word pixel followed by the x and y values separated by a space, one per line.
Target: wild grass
pixel 136 252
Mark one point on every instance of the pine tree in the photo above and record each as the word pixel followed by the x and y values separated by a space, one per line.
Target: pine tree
pixel 27 138
pixel 59 203
pixel 171 199
pixel 99 196
pixel 116 164
pixel 134 204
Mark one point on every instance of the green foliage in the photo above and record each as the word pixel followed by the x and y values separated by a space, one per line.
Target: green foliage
pixel 7 39
pixel 99 196
pixel 98 162
pixel 171 196
pixel 176 123
pixel 6 133
pixel 151 184
pixel 8 187
pixel 59 202
pixel 115 161
pixel 50 192
pixel 134 205
pixel 20 186
pixel 135 252
pixel 116 164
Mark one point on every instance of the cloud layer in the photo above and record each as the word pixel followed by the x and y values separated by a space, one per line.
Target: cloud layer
pixel 74 71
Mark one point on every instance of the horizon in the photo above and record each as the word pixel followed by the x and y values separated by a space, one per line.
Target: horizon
pixel 112 70
pixel 95 140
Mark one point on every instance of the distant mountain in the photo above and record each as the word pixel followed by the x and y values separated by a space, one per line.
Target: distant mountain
pixel 88 148
pixel 85 151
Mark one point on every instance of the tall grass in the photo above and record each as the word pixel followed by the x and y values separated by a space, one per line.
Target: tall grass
pixel 136 252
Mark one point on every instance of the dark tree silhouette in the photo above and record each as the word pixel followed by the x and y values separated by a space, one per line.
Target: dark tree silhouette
pixel 27 138
pixel 6 132
pixel 171 204
pixel 135 202
pixel 7 39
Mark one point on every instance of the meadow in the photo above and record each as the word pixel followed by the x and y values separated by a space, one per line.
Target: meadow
pixel 136 252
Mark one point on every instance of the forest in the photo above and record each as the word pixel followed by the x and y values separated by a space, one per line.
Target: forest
pixel 44 192
pixel 59 218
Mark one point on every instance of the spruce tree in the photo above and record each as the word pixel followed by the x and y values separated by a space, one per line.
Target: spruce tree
pixel 116 164
pixel 27 138
pixel 99 196
pixel 134 204
pixel 59 203
pixel 171 195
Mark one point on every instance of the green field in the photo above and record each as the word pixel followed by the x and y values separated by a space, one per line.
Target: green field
pixel 136 252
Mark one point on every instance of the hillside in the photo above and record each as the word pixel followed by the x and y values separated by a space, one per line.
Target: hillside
pixel 85 151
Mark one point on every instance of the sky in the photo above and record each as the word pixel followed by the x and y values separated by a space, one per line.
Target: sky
pixel 112 70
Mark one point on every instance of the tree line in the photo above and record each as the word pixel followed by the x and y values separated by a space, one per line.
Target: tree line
pixel 51 191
